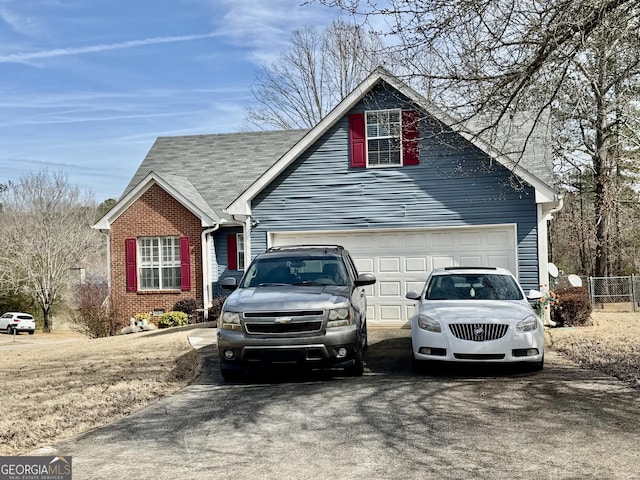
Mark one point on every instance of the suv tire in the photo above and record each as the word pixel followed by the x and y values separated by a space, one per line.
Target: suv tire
pixel 358 368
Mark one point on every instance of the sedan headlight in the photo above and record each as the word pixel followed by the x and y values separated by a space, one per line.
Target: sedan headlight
pixel 529 324
pixel 340 317
pixel 429 324
pixel 230 321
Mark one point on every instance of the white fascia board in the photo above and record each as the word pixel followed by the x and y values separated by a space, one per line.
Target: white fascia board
pixel 242 204
pixel 151 179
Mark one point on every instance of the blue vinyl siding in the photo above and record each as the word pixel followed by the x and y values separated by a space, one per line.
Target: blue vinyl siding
pixel 221 262
pixel 455 184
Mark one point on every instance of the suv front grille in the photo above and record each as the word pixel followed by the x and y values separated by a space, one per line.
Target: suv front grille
pixel 478 332
pixel 283 322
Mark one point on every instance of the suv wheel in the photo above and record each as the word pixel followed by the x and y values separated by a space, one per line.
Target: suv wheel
pixel 9 330
pixel 358 368
pixel 231 374
pixel 365 337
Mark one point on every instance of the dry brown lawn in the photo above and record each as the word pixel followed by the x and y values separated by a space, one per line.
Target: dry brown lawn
pixel 55 391
pixel 611 344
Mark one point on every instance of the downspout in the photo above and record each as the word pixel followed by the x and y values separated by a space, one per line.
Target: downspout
pixel 544 267
pixel 206 274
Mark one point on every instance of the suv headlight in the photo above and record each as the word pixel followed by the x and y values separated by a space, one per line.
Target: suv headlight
pixel 529 324
pixel 230 321
pixel 340 317
pixel 429 324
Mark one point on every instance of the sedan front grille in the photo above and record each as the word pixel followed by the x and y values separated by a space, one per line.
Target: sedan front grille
pixel 478 332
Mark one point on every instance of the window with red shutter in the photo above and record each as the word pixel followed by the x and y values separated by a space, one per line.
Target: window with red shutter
pixel 377 137
pixel 131 264
pixel 185 263
pixel 410 152
pixel 232 252
pixel 357 140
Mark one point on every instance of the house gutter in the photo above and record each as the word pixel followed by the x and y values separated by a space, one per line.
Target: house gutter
pixel 206 274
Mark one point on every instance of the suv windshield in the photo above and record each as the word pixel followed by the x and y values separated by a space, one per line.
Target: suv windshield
pixel 299 270
pixel 473 287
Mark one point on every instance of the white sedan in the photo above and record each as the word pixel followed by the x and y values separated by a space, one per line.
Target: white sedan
pixel 474 314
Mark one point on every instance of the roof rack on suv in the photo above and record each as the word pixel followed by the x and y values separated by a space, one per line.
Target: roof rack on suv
pixel 290 247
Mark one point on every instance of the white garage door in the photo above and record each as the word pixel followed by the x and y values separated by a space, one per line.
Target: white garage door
pixel 401 259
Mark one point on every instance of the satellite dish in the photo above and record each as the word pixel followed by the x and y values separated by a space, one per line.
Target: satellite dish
pixel 574 280
pixel 553 270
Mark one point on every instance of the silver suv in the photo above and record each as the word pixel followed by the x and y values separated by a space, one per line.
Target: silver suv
pixel 298 306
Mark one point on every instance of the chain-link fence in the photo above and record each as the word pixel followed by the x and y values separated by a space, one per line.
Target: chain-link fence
pixel 613 293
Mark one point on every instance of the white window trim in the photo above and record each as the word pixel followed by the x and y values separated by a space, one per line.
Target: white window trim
pixel 160 265
pixel 240 253
pixel 367 138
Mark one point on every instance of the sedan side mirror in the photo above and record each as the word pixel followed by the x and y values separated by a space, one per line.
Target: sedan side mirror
pixel 413 295
pixel 534 294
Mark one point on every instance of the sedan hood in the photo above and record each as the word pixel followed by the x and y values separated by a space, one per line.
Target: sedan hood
pixel 463 311
pixel 287 297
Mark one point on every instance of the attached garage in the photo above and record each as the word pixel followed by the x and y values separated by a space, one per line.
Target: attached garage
pixel 402 258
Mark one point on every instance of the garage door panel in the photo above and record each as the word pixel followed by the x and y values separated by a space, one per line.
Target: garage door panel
pixel 401 260
pixel 470 239
pixel 503 261
pixel 390 288
pixel 389 265
pixel 413 264
pixel 470 261
pixel 390 313
pixel 364 265
pixel 442 262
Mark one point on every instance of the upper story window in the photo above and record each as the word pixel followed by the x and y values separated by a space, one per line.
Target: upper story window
pixel 159 267
pixel 384 137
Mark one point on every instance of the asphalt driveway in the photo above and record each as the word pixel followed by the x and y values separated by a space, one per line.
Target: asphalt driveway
pixel 561 423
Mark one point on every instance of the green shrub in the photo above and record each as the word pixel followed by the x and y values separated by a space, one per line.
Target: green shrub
pixel 573 308
pixel 173 319
pixel 186 305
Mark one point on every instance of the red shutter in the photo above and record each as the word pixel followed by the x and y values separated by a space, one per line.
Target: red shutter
pixel 357 140
pixel 185 263
pixel 232 252
pixel 410 152
pixel 130 252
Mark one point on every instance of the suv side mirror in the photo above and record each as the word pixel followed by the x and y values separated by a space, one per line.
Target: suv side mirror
pixel 365 279
pixel 229 283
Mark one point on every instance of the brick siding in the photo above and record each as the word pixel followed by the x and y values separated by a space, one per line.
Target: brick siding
pixel 154 214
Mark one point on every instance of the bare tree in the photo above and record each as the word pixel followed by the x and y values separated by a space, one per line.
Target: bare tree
pixel 46 232
pixel 312 76
pixel 494 58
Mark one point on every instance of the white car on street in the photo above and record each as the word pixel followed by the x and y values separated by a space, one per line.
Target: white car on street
pixel 17 322
pixel 476 315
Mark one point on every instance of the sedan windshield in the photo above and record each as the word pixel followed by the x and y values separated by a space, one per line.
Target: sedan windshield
pixel 473 287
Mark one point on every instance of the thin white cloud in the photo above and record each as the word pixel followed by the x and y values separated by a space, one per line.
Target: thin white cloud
pixel 59 52
pixel 18 23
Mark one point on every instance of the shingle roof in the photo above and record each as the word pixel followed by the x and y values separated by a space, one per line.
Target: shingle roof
pixel 219 167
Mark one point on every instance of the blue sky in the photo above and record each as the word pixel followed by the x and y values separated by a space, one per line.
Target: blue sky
pixel 87 85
